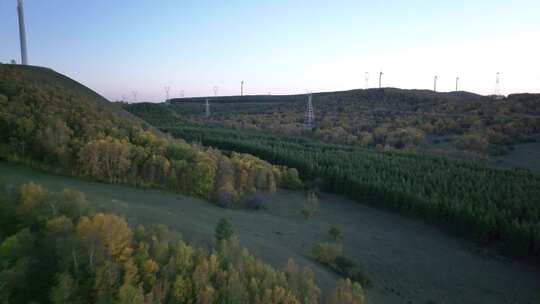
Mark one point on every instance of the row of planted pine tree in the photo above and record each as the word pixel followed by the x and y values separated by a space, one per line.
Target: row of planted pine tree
pixel 496 207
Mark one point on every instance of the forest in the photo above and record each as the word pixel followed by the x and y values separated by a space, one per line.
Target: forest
pixel 386 118
pixel 54 248
pixel 495 207
pixel 51 123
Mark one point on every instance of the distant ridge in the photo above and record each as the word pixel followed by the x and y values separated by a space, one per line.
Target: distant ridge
pixel 362 93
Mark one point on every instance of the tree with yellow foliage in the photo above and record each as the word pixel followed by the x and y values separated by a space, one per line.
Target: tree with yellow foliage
pixel 347 292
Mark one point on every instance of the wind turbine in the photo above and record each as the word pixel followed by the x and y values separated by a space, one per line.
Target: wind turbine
pixel 22 32
pixel 366 78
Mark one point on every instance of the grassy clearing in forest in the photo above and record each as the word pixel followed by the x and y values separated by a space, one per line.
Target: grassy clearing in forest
pixel 406 260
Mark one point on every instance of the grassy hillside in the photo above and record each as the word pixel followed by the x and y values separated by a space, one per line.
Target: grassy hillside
pixel 406 260
pixel 56 249
pixel 53 122
pixel 384 118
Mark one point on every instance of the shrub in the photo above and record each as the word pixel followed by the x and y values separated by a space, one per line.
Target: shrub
pixel 290 179
pixel 347 292
pixel 344 264
pixel 225 199
pixel 472 142
pixel 254 201
pixel 358 276
pixel 311 205
pixel 326 253
pixel 335 233
pixel 332 256
pixel 224 230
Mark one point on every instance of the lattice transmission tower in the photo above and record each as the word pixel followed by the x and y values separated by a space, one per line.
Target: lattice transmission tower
pixel 366 79
pixel 498 84
pixel 309 117
pixel 207 108
pixel 167 89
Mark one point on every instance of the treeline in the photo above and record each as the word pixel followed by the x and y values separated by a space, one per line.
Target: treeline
pixel 55 249
pixel 498 207
pixel 51 125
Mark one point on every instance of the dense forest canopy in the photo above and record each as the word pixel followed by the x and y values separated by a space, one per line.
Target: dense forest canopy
pixel 52 122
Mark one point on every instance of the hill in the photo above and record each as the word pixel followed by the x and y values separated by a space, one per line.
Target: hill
pixel 55 123
pixel 458 124
pixel 41 76
pixel 367 93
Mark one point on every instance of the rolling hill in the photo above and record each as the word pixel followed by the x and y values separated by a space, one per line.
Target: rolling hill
pixel 456 124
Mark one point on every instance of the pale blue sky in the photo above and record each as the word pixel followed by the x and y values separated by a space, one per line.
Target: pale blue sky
pixel 120 46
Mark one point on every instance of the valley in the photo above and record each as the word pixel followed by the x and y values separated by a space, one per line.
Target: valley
pixel 407 261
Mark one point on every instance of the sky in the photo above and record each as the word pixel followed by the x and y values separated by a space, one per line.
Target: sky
pixel 118 47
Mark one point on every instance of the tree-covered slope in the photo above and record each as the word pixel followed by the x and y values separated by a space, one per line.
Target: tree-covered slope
pixel 41 76
pixel 53 122
pixel 54 248
pixel 386 118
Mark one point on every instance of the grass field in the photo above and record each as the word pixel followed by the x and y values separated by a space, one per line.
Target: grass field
pixel 407 261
